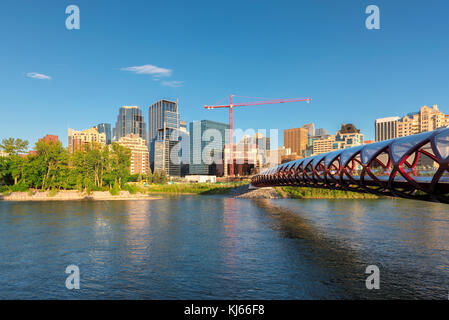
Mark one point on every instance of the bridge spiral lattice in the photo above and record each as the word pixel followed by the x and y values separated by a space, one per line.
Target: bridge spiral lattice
pixel 415 167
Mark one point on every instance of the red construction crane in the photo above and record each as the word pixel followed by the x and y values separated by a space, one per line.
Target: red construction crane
pixel 231 120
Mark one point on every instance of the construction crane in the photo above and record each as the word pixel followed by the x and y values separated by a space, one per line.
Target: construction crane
pixel 231 106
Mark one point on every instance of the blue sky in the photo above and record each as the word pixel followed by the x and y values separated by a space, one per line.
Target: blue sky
pixel 209 49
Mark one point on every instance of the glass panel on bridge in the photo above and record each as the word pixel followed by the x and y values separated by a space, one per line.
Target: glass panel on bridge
pixel 369 150
pixel 442 144
pixel 347 154
pixel 403 145
pixel 330 157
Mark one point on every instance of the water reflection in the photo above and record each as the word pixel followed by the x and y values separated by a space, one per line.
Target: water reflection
pixel 197 247
pixel 408 240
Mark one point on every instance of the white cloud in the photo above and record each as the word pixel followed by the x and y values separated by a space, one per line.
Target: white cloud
pixel 36 75
pixel 155 71
pixel 173 84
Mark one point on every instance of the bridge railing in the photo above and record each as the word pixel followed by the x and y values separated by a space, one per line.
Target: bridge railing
pixel 415 167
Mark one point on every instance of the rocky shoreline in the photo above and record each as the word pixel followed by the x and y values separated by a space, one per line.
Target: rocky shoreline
pixel 260 193
pixel 69 195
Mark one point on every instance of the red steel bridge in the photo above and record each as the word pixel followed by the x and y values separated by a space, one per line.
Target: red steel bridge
pixel 414 167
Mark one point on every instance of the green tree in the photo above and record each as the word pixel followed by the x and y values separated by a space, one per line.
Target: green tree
pixel 120 161
pixel 149 176
pixel 13 146
pixel 160 177
pixel 51 162
pixel 163 177
pixel 5 171
pixel 16 167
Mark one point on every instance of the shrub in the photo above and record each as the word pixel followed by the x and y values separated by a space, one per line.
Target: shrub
pixel 115 190
pixel 5 190
pixel 132 188
pixel 19 187
pixel 53 192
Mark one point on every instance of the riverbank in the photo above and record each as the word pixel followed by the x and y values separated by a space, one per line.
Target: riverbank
pixel 318 193
pixel 71 195
pixel 302 193
pixel 196 188
pixel 237 190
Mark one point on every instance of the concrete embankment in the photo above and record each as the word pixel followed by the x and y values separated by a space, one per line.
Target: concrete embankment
pixel 64 195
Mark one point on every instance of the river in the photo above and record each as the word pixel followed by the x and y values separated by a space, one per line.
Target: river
pixel 214 247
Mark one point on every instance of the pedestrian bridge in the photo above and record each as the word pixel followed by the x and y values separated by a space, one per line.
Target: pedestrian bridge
pixel 414 167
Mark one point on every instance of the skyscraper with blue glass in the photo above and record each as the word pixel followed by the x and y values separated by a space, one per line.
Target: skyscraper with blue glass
pixel 163 121
pixel 198 145
pixel 105 128
pixel 129 121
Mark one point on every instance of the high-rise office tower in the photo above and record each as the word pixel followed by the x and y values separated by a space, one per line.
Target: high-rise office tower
pixel 106 129
pixel 215 147
pixel 130 121
pixel 163 120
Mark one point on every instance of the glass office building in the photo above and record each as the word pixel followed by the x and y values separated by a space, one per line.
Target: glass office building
pixel 130 121
pixel 163 119
pixel 105 128
pixel 197 145
pixel 163 150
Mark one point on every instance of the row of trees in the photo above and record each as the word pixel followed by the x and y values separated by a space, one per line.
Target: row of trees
pixel 51 166
pixel 158 177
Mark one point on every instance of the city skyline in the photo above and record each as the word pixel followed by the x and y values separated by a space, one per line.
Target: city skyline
pixel 343 66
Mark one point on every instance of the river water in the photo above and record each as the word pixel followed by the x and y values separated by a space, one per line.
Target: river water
pixel 213 247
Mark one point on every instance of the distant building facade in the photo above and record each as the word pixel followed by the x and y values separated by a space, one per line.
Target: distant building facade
pixel 277 156
pixel 49 138
pixel 322 145
pixel 106 129
pixel 140 157
pixel 183 126
pixel 250 154
pixel 310 129
pixel 386 128
pixel 197 146
pixel 78 139
pixel 426 119
pixel 129 121
pixel 321 132
pixel 348 136
pixel 296 140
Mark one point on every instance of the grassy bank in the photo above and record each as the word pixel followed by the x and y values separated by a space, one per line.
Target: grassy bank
pixel 135 188
pixel 194 188
pixel 317 193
